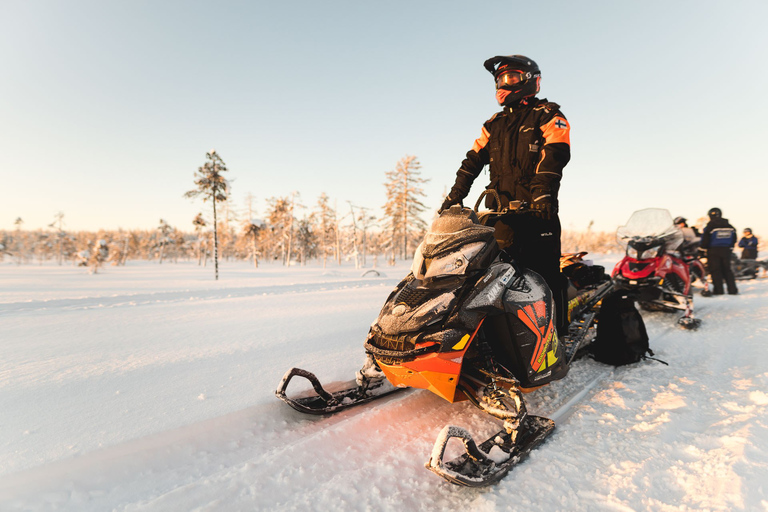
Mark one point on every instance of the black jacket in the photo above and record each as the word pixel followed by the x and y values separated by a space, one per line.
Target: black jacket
pixel 718 233
pixel 526 146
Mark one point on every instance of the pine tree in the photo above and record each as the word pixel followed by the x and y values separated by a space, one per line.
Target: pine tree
pixel 212 185
pixel 325 218
pixel 199 223
pixel 280 220
pixel 403 206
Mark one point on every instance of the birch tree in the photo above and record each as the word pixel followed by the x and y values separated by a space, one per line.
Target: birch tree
pixel 212 185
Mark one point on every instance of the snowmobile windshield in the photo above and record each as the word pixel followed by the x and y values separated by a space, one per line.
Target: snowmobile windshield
pixel 648 225
pixel 454 263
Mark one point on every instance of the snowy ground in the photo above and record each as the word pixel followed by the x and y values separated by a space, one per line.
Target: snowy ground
pixel 151 387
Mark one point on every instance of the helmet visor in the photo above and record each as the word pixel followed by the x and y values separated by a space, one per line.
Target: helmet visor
pixel 509 78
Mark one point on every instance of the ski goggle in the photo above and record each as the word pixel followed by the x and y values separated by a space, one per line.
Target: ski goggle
pixel 511 77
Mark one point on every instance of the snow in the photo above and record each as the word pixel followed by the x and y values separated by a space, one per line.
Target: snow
pixel 151 387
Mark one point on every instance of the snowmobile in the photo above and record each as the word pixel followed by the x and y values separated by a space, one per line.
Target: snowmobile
pixel 469 323
pixel 747 269
pixel 651 269
pixel 691 255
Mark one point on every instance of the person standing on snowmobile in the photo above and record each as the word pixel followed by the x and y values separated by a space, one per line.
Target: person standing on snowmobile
pixel 527 145
pixel 718 239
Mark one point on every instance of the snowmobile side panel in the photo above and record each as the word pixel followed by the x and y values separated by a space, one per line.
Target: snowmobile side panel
pixel 493 459
pixel 437 371
pixel 323 402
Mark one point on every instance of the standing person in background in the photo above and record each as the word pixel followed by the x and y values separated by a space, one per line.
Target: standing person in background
pixel 718 239
pixel 748 244
pixel 526 145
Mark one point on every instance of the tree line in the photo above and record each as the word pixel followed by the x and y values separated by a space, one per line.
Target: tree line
pixel 289 232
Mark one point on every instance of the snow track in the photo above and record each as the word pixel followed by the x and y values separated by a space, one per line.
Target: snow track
pixel 145 299
pixel 170 406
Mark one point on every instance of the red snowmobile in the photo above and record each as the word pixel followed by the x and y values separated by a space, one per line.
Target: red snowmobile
pixel 651 269
pixel 468 323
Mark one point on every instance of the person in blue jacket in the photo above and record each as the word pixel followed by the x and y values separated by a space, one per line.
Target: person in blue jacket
pixel 718 238
pixel 748 244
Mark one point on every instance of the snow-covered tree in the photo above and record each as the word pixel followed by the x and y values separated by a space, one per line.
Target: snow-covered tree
pixel 280 220
pixel 325 222
pixel 19 239
pixel 58 225
pixel 199 223
pixel 212 185
pixel 251 230
pixel 402 209
pixel 306 240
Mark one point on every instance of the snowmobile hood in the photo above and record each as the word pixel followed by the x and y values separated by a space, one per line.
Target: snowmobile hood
pixel 454 227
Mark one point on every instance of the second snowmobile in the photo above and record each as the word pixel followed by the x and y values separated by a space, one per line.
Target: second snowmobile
pixel 468 323
pixel 651 270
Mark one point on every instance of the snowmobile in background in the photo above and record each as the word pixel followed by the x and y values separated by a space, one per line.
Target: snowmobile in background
pixel 651 269
pixel 468 323
pixel 690 253
pixel 747 269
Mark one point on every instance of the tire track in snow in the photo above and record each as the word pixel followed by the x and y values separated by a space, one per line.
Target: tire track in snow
pixel 153 298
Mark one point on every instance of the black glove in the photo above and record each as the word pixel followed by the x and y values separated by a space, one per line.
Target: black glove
pixel 449 201
pixel 543 208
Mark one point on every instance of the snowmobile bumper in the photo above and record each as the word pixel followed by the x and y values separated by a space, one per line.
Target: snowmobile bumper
pixel 424 367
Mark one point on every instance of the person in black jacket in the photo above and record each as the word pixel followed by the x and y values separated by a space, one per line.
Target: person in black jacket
pixel 718 238
pixel 526 145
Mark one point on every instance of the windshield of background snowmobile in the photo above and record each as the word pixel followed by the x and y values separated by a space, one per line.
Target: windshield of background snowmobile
pixel 452 264
pixel 650 223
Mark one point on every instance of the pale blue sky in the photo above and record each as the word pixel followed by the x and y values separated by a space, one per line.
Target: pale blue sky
pixel 107 108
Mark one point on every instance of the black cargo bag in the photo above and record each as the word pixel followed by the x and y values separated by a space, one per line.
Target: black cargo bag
pixel 621 337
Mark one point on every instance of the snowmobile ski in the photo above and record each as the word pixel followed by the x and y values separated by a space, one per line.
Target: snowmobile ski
pixel 324 402
pixel 492 460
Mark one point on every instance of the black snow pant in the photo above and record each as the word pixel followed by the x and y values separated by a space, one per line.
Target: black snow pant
pixel 534 243
pixel 719 263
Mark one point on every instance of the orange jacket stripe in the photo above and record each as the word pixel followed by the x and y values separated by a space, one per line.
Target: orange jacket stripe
pixel 482 141
pixel 557 130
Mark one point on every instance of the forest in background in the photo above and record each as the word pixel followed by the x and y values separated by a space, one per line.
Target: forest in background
pixel 289 232
pixel 360 243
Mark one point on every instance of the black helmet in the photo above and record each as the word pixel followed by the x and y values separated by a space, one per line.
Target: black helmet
pixel 714 213
pixel 748 230
pixel 517 74
pixel 680 220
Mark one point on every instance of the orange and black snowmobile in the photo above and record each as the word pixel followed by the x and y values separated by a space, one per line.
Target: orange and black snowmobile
pixel 468 323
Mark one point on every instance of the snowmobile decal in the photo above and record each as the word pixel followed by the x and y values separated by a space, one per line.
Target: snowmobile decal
pixel 546 340
pixel 461 344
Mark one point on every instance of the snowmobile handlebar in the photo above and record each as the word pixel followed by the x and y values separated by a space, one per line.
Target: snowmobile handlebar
pixel 512 208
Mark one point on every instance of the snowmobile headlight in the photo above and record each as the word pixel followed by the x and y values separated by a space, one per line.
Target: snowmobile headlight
pixel 650 253
pixel 454 263
pixel 418 268
pixel 631 252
